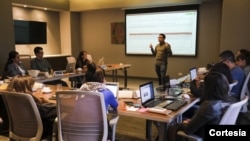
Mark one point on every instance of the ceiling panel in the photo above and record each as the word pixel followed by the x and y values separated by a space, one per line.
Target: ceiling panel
pixel 84 5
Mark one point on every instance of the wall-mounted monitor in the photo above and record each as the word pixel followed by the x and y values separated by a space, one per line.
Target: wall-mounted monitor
pixel 178 23
pixel 30 32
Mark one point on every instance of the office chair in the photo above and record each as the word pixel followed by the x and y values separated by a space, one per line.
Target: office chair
pixel 24 118
pixel 228 118
pixel 71 59
pixel 25 59
pixel 82 115
pixel 245 92
pixel 231 85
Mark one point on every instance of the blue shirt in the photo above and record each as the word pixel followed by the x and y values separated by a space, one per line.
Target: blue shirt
pixel 239 75
pixel 109 99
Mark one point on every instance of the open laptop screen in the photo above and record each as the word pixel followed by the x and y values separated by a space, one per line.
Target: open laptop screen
pixel 113 87
pixel 146 92
pixel 193 73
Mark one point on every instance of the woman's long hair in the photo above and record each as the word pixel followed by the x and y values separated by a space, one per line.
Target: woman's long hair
pixel 216 87
pixel 94 73
pixel 12 55
pixel 21 84
pixel 224 69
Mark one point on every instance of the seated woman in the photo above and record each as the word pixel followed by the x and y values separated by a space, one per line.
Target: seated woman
pixel 94 73
pixel 14 66
pixel 215 102
pixel 81 63
pixel 48 114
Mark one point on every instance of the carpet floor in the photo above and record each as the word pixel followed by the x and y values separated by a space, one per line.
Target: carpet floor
pixel 133 129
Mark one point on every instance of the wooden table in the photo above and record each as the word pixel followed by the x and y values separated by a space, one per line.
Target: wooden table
pixel 114 68
pixel 48 96
pixel 52 78
pixel 162 119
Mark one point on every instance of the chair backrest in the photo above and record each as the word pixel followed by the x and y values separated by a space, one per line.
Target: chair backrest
pixel 231 114
pixel 25 59
pixel 245 92
pixel 81 116
pixel 71 59
pixel 231 85
pixel 24 118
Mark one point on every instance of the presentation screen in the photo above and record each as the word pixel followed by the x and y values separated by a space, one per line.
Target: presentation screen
pixel 178 23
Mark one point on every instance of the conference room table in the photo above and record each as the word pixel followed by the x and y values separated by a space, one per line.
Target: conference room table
pixel 150 117
pixel 109 68
pixel 43 79
pixel 114 69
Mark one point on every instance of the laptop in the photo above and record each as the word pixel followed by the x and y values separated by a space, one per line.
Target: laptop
pixel 70 68
pixel 113 87
pixel 193 73
pixel 148 97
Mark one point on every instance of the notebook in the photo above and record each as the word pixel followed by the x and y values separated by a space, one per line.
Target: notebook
pixel 113 87
pixel 70 68
pixel 148 97
pixel 193 73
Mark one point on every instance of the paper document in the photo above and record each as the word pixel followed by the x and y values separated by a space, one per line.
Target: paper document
pixel 182 79
pixel 131 108
pixel 125 94
pixel 173 82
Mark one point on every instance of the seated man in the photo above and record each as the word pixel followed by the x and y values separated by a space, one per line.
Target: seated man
pixel 41 64
pixel 227 57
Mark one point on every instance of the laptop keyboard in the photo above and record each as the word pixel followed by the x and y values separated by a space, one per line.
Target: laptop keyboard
pixel 164 103
pixel 176 105
pixel 153 103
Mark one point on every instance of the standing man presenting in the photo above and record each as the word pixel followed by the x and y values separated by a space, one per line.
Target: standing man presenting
pixel 161 53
